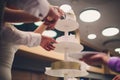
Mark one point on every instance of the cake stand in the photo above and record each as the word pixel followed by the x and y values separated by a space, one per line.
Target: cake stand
pixel 66 69
pixel 67 44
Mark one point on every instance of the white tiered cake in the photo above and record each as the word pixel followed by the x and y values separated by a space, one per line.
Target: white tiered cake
pixel 67 44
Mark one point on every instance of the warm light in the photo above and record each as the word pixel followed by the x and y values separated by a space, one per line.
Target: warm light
pixel 110 31
pixel 72 78
pixel 38 23
pixel 117 50
pixel 65 7
pixel 92 36
pixel 49 33
pixel 17 23
pixel 89 15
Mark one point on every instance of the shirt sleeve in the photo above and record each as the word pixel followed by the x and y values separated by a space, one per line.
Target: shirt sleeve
pixel 12 35
pixel 114 63
pixel 38 8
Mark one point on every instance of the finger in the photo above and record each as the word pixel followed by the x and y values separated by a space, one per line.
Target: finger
pixel 47 48
pixel 51 47
pixel 52 25
pixel 53 41
pixel 115 78
pixel 51 44
pixel 88 55
pixel 58 12
pixel 61 12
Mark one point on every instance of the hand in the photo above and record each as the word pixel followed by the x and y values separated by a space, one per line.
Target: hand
pixel 93 59
pixel 117 77
pixel 53 15
pixel 47 43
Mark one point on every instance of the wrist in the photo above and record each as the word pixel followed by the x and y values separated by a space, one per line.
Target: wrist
pixel 48 21
pixel 105 59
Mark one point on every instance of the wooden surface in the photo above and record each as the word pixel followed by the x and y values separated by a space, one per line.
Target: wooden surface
pixel 43 53
pixel 54 56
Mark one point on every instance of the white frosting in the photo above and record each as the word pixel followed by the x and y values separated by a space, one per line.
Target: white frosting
pixel 67 24
pixel 70 38
pixel 71 15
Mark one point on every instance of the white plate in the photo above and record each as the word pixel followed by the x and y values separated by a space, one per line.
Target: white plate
pixel 69 72
pixel 66 25
pixel 81 54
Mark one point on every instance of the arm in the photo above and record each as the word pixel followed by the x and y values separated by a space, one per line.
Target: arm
pixel 117 77
pixel 12 35
pixel 37 8
pixel 40 9
pixel 93 59
pixel 101 58
pixel 41 28
pixel 12 15
pixel 114 63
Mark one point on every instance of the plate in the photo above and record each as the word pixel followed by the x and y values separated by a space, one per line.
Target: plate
pixel 66 25
pixel 68 72
pixel 81 54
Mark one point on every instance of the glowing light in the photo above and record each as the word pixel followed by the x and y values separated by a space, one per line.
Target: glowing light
pixel 110 31
pixel 65 7
pixel 49 33
pixel 117 50
pixel 89 15
pixel 92 36
pixel 72 78
pixel 38 23
pixel 17 23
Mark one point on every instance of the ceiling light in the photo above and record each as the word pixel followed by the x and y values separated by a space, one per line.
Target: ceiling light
pixel 72 78
pixel 65 7
pixel 117 50
pixel 49 33
pixel 38 23
pixel 110 31
pixel 92 36
pixel 17 23
pixel 89 15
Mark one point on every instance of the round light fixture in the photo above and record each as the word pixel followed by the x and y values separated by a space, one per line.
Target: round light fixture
pixel 92 36
pixel 49 33
pixel 72 78
pixel 18 23
pixel 89 15
pixel 117 50
pixel 65 7
pixel 112 31
pixel 38 23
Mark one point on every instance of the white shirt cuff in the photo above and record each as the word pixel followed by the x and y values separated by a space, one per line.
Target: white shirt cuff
pixel 35 39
